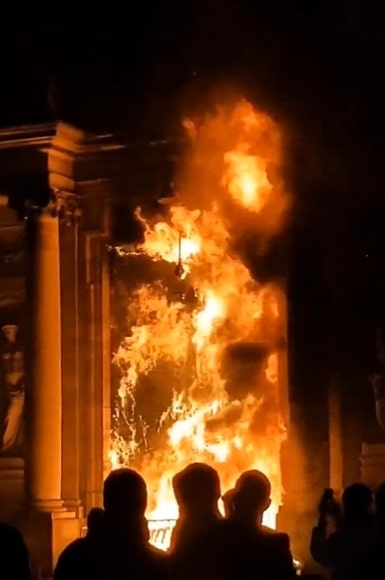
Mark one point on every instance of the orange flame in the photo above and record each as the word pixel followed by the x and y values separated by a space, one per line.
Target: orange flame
pixel 246 179
pixel 232 423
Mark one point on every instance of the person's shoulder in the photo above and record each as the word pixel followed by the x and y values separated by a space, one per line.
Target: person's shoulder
pixel 72 560
pixel 269 532
pixel 274 537
pixel 9 529
pixel 77 544
pixel 157 554
pixel 156 557
pixel 10 534
pixel 218 530
pixel 156 562
pixel 219 525
pixel 74 548
pixel 6 528
pixel 227 535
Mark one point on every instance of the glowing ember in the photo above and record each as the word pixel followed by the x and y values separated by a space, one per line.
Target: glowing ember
pixel 220 346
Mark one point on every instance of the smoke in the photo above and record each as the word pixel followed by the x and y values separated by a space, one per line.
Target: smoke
pixel 242 368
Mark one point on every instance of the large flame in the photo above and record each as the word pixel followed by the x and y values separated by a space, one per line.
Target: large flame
pixel 221 332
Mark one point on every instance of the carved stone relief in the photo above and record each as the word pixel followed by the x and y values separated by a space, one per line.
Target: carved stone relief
pixel 12 244
pixel 12 300
pixel 12 372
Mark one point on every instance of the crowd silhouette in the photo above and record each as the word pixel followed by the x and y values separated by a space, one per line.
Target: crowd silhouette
pixel 348 540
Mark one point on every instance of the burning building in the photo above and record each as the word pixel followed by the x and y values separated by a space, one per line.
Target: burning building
pixel 152 354
pixel 202 353
pixel 172 348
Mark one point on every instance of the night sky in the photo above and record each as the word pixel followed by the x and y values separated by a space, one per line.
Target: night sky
pixel 317 66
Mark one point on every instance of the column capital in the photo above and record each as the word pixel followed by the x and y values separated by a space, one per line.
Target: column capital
pixel 66 206
pixel 82 167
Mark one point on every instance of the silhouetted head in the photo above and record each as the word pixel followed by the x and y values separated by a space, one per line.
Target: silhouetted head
pixel 380 504
pixel 95 521
pixel 197 488
pixel 357 501
pixel 125 495
pixel 252 495
pixel 228 503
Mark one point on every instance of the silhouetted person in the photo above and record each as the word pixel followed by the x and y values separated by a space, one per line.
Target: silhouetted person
pixel 14 557
pixel 193 549
pixel 268 551
pixel 197 491
pixel 117 544
pixel 329 510
pixel 228 503
pixel 373 567
pixel 251 497
pixel 238 548
pixel 380 509
pixel 95 524
pixel 345 550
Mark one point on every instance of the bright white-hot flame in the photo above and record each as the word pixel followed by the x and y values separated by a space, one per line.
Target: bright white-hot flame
pixel 246 179
pixel 272 368
pixel 205 320
pixel 204 360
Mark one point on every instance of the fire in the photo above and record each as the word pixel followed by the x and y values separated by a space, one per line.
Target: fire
pixel 218 337
pixel 165 241
pixel 246 179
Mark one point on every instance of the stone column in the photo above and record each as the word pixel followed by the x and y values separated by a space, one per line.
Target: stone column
pixel 72 414
pixel 336 464
pixel 82 166
pixel 50 525
pixel 45 397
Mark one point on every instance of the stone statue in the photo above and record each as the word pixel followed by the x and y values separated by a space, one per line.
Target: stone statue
pixel 14 377
pixel 378 381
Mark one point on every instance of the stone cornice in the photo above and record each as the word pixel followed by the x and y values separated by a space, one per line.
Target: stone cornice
pixel 11 226
pixel 69 139
pixel 27 136
pixel 62 136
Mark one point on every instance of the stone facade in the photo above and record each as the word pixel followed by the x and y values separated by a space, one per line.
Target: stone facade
pixel 57 180
pixel 58 188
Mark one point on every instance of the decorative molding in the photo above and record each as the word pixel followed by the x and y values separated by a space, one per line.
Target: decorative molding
pixel 14 300
pixel 12 247
pixel 11 464
pixel 27 136
pixel 66 206
pixel 12 257
pixel 9 227
pixel 71 139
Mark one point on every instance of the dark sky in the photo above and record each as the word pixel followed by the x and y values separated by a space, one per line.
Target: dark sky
pixel 296 54
pixel 317 65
